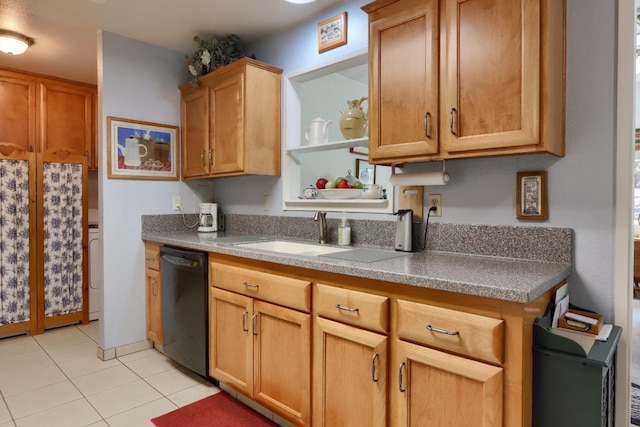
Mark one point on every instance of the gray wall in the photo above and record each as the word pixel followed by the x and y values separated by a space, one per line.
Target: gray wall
pixel 139 81
pixel 483 191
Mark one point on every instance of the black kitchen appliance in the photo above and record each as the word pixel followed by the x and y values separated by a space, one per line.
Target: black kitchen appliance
pixel 184 307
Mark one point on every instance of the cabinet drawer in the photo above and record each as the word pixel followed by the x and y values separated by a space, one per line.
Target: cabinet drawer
pixel 281 290
pixel 361 309
pixel 476 336
pixel 152 256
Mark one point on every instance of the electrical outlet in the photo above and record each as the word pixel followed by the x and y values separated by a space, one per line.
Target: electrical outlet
pixel 177 203
pixel 435 200
pixel 265 202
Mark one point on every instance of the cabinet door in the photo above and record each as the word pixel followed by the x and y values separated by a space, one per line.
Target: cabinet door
pixel 491 74
pixel 226 123
pixel 282 361
pixel 196 156
pixel 350 376
pixel 18 112
pixel 154 306
pixel 230 339
pixel 438 389
pixel 403 58
pixel 66 117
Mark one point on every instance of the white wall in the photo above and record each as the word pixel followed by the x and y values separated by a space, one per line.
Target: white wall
pixel 137 81
pixel 483 191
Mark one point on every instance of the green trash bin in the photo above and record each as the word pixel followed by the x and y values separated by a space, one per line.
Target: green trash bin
pixel 571 387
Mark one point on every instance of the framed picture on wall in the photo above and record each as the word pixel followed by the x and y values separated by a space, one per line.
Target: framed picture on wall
pixel 332 32
pixel 532 196
pixel 141 150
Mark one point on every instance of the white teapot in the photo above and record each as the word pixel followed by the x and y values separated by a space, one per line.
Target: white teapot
pixel 318 132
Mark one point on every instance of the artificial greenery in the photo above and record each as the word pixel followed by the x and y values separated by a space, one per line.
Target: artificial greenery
pixel 212 54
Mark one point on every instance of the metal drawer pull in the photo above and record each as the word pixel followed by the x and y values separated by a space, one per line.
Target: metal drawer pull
pixel 244 321
pixel 342 307
pixel 402 389
pixel 250 285
pixel 442 331
pixel 427 116
pixel 152 259
pixel 451 113
pixel 253 324
pixel 373 368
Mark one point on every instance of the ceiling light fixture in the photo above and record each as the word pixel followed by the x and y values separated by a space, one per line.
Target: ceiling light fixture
pixel 14 43
pixel 300 1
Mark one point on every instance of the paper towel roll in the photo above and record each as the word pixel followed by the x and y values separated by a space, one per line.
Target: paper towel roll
pixel 419 178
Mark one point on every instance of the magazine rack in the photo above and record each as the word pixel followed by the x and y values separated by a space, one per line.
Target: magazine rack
pixel 571 387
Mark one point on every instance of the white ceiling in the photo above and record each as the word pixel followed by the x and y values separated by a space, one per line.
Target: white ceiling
pixel 65 31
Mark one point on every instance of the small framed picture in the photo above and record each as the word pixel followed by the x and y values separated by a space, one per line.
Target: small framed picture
pixel 365 172
pixel 532 196
pixel 141 150
pixel 332 32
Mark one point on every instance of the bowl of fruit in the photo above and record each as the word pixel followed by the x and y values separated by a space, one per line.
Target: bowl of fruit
pixel 340 188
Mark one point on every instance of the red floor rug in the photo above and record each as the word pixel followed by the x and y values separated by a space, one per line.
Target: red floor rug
pixel 217 410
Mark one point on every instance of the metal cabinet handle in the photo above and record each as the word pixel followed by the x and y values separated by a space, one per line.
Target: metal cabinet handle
pixel 452 112
pixel 250 285
pixel 210 157
pixel 442 331
pixel 244 321
pixel 202 157
pixel 373 368
pixel 151 259
pixel 253 324
pixel 402 389
pixel 427 116
pixel 345 308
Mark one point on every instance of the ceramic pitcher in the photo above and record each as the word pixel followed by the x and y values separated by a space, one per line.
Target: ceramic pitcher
pixel 353 122
pixel 318 132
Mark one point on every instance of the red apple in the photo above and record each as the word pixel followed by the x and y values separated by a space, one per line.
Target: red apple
pixel 343 184
pixel 320 183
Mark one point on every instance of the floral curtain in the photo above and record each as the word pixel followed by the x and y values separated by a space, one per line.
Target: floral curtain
pixel 62 192
pixel 14 242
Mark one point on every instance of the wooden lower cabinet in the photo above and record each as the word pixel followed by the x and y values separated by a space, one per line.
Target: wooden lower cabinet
pixel 153 292
pixel 262 350
pixel 434 388
pixel 350 376
pixel 154 306
pixel 380 356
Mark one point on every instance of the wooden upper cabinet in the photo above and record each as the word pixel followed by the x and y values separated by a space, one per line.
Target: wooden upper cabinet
pixel 195 136
pixel 18 112
pixel 231 122
pixel 42 113
pixel 66 117
pixel 226 122
pixel 498 71
pixel 403 70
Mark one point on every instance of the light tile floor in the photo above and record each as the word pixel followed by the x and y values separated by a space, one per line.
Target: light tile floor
pixel 56 379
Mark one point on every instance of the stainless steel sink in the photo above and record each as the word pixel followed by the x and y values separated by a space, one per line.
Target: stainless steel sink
pixel 293 248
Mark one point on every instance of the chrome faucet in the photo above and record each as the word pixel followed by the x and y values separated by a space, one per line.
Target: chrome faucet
pixel 321 218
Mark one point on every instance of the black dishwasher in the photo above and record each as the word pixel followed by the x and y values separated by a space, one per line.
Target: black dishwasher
pixel 184 307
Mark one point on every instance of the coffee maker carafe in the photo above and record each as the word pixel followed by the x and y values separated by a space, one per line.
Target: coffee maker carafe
pixel 208 217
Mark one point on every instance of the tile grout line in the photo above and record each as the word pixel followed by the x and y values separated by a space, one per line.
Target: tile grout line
pixel 68 379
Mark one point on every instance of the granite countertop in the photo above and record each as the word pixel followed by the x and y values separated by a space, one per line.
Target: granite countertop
pixel 509 279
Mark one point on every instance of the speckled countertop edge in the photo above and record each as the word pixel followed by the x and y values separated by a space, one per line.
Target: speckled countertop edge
pixel 499 278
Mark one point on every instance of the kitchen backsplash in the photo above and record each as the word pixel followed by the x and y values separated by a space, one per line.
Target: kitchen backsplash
pixel 550 244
